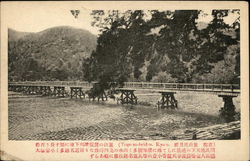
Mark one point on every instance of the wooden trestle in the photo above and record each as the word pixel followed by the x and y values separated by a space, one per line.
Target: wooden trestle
pixel 128 97
pixel 76 92
pixel 45 90
pixel 59 91
pixel 167 100
pixel 31 89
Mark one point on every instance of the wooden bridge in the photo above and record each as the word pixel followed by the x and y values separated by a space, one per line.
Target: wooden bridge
pixel 167 90
pixel 211 88
pixel 214 88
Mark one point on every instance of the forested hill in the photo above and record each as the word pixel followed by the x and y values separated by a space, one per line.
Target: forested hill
pixel 53 54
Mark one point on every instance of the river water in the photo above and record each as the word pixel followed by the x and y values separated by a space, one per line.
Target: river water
pixel 45 118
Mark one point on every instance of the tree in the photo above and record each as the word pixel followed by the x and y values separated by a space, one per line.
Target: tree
pixel 116 55
pixel 169 41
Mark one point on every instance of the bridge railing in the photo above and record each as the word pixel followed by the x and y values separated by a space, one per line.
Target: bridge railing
pixel 184 86
pixel 54 83
pixel 144 85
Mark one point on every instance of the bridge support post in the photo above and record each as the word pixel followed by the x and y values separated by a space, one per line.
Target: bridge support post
pixel 59 91
pixel 128 97
pixel 38 90
pixel 42 90
pixel 167 100
pixel 228 110
pixel 19 88
pixel 26 89
pixel 15 87
pixel 31 90
pixel 46 91
pixel 76 92
pixel 35 89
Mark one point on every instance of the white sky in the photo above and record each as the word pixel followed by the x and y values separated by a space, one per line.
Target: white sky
pixel 38 17
pixel 229 19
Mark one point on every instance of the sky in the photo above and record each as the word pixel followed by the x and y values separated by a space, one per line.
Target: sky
pixel 39 17
pixel 34 19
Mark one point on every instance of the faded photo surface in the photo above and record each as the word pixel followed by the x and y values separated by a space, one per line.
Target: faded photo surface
pixel 155 81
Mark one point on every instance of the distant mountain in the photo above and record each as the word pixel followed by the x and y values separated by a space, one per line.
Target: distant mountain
pixel 14 35
pixel 57 52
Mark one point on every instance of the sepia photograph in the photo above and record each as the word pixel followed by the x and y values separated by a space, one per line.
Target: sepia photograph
pixel 76 73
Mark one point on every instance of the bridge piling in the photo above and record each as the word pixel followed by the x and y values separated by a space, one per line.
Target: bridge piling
pixel 167 100
pixel 76 92
pixel 228 110
pixel 59 91
pixel 128 97
pixel 46 90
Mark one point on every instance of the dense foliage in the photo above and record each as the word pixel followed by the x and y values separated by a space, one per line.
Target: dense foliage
pixel 164 46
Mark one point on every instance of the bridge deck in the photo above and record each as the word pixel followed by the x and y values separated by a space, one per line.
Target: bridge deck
pixel 223 89
pixel 216 92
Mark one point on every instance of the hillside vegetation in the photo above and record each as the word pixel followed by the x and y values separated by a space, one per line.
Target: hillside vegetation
pixel 53 54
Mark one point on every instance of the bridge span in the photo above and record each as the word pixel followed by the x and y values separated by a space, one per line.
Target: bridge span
pixel 167 90
pixel 194 87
